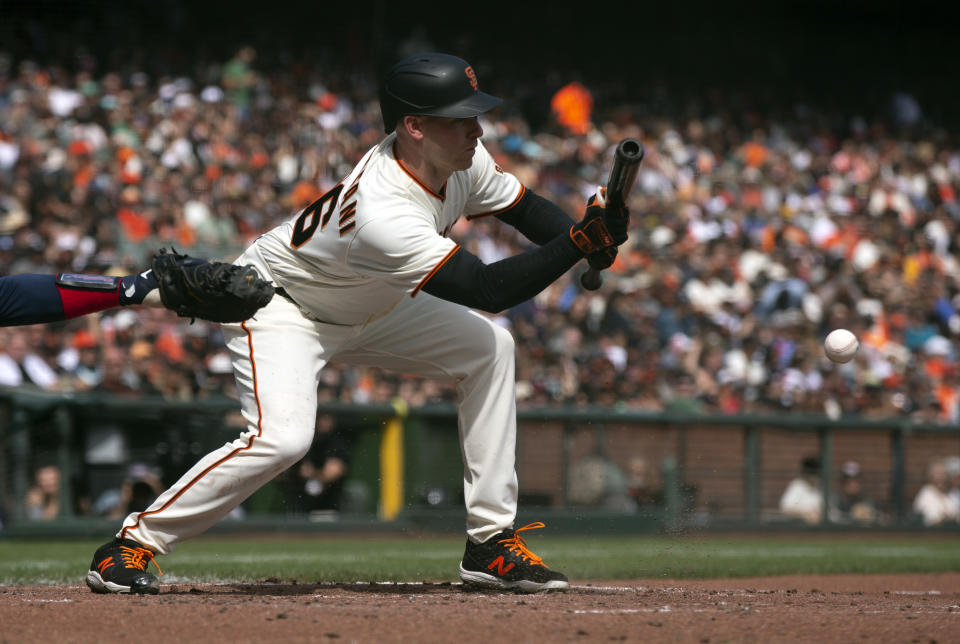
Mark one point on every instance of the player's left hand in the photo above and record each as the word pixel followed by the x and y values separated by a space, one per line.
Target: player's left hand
pixel 603 259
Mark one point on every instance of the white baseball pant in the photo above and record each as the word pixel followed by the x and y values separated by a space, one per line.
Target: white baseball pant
pixel 277 358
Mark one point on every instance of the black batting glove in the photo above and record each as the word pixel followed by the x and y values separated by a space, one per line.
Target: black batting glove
pixel 602 259
pixel 600 229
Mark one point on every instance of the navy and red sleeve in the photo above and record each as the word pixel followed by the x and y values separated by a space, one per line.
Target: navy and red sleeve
pixel 38 299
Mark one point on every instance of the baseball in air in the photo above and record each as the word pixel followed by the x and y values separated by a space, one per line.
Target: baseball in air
pixel 841 345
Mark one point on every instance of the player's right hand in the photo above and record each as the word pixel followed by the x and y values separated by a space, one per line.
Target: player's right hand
pixel 600 229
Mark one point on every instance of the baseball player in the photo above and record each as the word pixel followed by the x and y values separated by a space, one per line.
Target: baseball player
pixel 368 276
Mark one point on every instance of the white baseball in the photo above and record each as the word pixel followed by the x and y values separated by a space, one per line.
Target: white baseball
pixel 841 345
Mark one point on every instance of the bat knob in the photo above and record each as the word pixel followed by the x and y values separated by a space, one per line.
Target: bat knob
pixel 591 280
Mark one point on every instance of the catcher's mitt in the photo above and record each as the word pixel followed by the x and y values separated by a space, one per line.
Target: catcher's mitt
pixel 214 291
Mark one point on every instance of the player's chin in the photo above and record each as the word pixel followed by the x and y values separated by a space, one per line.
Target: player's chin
pixel 467 158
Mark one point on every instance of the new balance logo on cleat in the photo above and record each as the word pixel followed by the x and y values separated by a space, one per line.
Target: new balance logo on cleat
pixel 504 562
pixel 120 566
pixel 498 562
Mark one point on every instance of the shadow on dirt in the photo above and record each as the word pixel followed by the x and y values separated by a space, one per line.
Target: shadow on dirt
pixel 277 588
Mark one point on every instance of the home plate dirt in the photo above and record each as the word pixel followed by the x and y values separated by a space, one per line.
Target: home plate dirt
pixel 821 609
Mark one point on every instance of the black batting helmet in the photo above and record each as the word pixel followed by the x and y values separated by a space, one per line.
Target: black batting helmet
pixel 432 85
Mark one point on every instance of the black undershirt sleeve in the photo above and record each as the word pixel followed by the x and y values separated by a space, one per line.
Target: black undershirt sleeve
pixel 466 280
pixel 538 219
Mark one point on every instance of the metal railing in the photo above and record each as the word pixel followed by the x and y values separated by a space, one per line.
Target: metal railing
pixel 26 414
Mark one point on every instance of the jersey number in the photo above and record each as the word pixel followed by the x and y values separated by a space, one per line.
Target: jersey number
pixel 316 214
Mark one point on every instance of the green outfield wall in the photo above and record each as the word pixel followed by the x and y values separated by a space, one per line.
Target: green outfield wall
pixel 704 472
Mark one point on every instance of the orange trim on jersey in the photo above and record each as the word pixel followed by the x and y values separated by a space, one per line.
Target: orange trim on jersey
pixel 256 395
pixel 513 203
pixel 347 213
pixel 443 191
pixel 436 268
pixel 353 188
pixel 347 228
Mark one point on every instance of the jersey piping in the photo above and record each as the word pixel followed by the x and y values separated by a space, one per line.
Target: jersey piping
pixel 253 438
pixel 403 166
pixel 433 272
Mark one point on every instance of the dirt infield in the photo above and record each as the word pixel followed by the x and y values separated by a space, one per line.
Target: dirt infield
pixel 844 608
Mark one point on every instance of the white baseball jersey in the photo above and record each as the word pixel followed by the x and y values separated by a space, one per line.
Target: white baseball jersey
pixel 378 236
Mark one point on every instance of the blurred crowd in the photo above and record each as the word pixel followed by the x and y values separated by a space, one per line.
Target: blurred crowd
pixel 756 229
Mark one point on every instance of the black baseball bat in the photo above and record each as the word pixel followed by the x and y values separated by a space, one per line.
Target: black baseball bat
pixel 626 164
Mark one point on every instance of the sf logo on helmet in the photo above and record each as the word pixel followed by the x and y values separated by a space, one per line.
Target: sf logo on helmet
pixel 473 79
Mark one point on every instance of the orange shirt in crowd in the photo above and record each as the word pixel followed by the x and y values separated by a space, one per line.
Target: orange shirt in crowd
pixel 136 227
pixel 947 397
pixel 573 105
pixel 877 335
pixel 754 154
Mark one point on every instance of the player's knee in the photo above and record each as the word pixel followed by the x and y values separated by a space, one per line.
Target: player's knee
pixel 292 450
pixel 504 340
pixel 504 346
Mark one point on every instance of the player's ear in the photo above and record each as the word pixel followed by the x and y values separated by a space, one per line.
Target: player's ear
pixel 413 126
